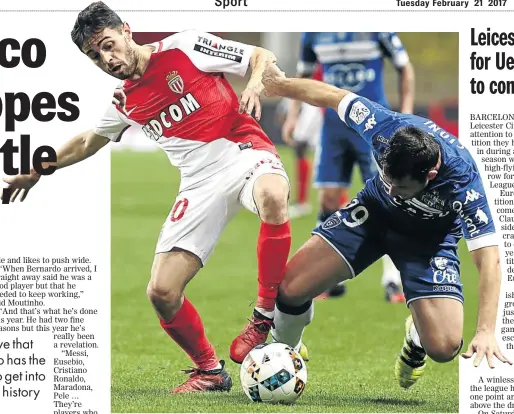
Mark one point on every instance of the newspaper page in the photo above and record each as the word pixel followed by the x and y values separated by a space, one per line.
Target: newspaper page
pixel 222 206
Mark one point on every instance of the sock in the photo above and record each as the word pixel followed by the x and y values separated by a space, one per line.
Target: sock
pixel 290 322
pixel 261 313
pixel 303 170
pixel 186 329
pixel 345 198
pixel 273 247
pixel 390 274
pixel 415 336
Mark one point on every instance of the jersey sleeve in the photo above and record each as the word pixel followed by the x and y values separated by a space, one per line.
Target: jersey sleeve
pixel 211 53
pixel 365 117
pixel 111 125
pixel 307 63
pixel 470 203
pixel 393 49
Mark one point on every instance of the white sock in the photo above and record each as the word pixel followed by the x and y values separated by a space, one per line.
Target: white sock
pixel 390 273
pixel 267 314
pixel 415 336
pixel 289 328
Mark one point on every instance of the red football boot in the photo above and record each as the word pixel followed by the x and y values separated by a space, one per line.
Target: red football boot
pixel 215 380
pixel 255 333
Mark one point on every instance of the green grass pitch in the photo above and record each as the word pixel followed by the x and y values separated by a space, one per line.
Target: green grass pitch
pixel 353 341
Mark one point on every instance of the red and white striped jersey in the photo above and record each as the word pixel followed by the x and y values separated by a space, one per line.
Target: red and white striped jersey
pixel 184 102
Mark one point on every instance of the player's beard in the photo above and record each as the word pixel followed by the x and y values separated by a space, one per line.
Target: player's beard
pixel 130 65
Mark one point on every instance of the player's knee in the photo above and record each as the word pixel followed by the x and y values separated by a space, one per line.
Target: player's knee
pixel 271 197
pixel 290 295
pixel 165 299
pixel 443 349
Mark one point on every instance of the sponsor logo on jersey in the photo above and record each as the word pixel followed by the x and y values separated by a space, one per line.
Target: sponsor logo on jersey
pixel 217 49
pixel 433 129
pixel 426 206
pixel 370 123
pixel 359 112
pixel 351 76
pixel 444 271
pixel 175 82
pixel 432 199
pixel 481 217
pixel 171 115
pixel 472 195
pixel 468 221
pixel 382 139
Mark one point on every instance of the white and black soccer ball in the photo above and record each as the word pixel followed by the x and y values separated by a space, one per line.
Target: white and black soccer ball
pixel 273 373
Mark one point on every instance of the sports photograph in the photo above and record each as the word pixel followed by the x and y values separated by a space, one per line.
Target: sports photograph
pixel 355 355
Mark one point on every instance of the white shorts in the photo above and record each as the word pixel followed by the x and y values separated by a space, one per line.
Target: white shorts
pixel 201 212
pixel 308 126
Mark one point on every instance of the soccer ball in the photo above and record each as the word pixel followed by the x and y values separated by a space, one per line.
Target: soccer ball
pixel 273 373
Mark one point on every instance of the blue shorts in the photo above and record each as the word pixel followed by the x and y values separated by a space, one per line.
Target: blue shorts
pixel 429 267
pixel 339 149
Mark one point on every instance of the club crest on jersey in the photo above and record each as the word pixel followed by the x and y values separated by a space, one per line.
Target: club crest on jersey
pixel 175 82
pixel 333 221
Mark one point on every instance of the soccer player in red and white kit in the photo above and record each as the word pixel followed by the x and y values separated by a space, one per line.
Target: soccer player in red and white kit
pixel 176 91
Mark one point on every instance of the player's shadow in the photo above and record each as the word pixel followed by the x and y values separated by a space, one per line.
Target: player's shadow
pixel 342 401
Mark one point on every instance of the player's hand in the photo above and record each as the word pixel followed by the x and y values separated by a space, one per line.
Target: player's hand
pixel 271 78
pixel 484 344
pixel 287 131
pixel 250 100
pixel 120 99
pixel 20 186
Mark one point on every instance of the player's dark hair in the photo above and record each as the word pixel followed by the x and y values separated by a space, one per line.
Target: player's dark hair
pixel 92 20
pixel 411 152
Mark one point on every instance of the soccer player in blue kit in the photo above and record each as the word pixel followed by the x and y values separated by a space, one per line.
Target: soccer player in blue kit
pixel 355 62
pixel 427 195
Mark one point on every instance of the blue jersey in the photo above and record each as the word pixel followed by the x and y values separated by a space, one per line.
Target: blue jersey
pixel 453 203
pixel 353 61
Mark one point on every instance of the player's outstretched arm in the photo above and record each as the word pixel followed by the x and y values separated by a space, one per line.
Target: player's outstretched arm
pixel 75 150
pixel 250 97
pixel 487 260
pixel 406 74
pixel 306 90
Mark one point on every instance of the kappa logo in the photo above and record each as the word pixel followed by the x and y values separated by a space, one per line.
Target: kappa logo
pixel 333 221
pixel 472 195
pixel 175 82
pixel 370 123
